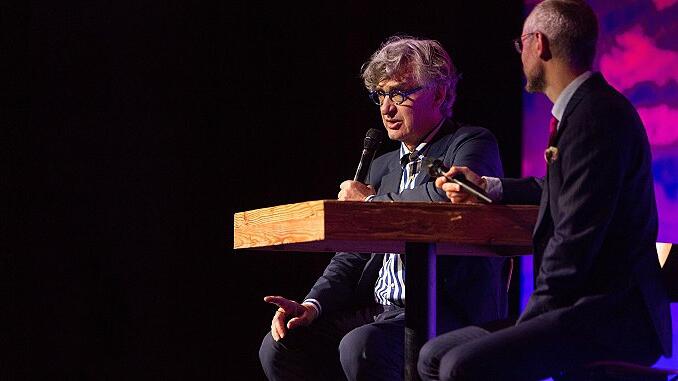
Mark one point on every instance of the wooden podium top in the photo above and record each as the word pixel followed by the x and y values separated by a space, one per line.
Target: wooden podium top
pixel 357 226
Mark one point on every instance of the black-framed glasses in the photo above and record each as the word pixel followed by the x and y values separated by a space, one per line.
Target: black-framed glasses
pixel 397 96
pixel 518 42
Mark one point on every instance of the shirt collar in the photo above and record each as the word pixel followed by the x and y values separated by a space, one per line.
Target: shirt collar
pixel 564 98
pixel 405 152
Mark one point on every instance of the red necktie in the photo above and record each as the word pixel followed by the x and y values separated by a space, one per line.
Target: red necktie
pixel 551 152
pixel 553 128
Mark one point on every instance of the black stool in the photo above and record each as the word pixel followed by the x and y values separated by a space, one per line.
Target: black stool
pixel 623 371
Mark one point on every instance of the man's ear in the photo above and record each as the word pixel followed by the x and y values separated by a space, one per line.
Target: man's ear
pixel 543 46
pixel 439 95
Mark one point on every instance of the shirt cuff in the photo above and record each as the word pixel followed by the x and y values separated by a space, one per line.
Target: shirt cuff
pixel 315 304
pixel 370 197
pixel 493 188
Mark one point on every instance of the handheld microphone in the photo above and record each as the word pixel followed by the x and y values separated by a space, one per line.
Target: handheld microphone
pixel 436 168
pixel 373 139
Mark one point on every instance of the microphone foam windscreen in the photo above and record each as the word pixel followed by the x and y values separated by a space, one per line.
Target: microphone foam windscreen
pixel 373 139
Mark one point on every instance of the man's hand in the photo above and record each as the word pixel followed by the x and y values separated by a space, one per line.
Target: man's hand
pixel 298 315
pixel 454 191
pixel 354 191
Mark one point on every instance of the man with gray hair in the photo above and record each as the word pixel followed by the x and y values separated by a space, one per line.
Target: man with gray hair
pixel 352 323
pixel 598 293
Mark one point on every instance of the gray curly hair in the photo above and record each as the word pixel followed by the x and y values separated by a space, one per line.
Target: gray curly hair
pixel 425 60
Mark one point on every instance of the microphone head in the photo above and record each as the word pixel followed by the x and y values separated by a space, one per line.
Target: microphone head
pixel 435 166
pixel 373 139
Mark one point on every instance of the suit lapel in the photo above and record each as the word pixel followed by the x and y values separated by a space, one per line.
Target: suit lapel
pixel 578 95
pixel 390 183
pixel 436 150
pixel 543 205
pixel 422 177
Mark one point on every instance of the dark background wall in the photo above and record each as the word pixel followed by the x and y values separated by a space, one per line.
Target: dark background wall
pixel 134 131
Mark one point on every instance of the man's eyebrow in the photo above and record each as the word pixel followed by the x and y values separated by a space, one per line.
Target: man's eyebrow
pixel 397 86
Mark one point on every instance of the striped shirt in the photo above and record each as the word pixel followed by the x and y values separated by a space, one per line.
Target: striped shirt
pixel 390 286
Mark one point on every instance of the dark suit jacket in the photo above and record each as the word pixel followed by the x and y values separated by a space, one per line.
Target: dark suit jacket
pixel 594 241
pixel 473 289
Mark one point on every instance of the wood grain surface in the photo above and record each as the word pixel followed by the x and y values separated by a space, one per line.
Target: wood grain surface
pixel 330 225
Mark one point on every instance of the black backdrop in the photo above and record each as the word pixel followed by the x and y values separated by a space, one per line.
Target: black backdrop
pixel 134 131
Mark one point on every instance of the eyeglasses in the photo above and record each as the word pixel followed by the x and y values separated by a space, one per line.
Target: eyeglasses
pixel 397 96
pixel 518 42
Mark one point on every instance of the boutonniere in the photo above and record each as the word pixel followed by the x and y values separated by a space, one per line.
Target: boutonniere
pixel 551 154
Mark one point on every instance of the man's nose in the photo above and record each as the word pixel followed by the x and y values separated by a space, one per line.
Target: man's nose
pixel 388 107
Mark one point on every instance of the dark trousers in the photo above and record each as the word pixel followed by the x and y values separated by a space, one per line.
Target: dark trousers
pixel 554 344
pixel 364 344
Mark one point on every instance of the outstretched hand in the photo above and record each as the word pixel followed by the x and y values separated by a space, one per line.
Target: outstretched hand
pixel 294 313
pixel 454 191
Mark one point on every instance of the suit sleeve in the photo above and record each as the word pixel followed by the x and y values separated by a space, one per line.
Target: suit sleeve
pixel 592 165
pixel 526 191
pixel 475 148
pixel 335 288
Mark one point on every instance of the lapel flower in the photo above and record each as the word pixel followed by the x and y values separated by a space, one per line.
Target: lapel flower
pixel 551 154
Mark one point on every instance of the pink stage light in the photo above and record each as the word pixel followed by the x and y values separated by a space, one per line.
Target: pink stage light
pixel 663 4
pixel 661 124
pixel 637 59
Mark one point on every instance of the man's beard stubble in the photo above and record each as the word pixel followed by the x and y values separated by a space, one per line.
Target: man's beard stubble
pixel 535 81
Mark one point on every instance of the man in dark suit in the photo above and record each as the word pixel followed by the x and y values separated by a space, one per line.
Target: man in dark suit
pixel 351 324
pixel 597 294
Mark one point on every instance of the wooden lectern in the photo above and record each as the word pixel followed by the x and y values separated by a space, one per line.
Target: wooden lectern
pixel 418 229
